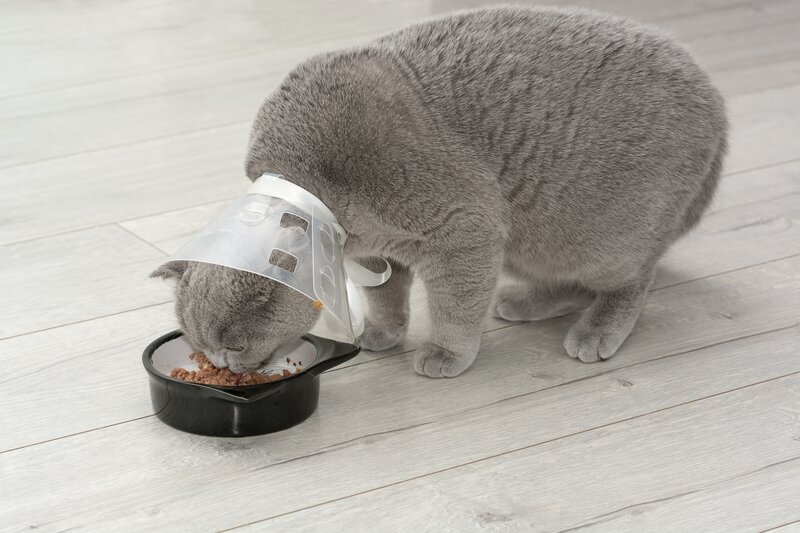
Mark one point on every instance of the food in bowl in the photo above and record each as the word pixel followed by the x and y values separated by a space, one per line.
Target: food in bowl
pixel 208 374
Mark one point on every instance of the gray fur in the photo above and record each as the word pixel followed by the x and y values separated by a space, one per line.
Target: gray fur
pixel 565 148
pixel 235 318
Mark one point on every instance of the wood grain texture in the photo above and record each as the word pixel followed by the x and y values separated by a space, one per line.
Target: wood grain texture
pixel 747 502
pixel 762 242
pixel 734 238
pixel 346 446
pixel 791 527
pixel 65 279
pixel 667 456
pixel 187 142
pixel 764 128
pixel 166 36
pixel 109 346
pixel 102 187
pixel 163 464
pixel 124 126
pixel 82 364
pixel 169 36
pixel 758 185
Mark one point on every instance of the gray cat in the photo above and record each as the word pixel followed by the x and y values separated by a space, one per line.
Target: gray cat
pixel 564 148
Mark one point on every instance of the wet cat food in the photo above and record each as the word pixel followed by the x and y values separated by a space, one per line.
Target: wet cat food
pixel 208 374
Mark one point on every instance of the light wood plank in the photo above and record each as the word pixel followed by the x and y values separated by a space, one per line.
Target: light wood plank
pixel 145 106
pixel 169 231
pixel 122 183
pixel 203 167
pixel 742 24
pixel 74 277
pixel 168 476
pixel 176 34
pixel 112 40
pixel 115 349
pixel 734 238
pixel 736 50
pixel 187 169
pixel 747 57
pixel 730 20
pixel 792 527
pixel 764 128
pixel 52 134
pixel 751 502
pixel 668 456
pixel 750 80
pixel 358 430
pixel 81 363
pixel 656 12
pixel 759 185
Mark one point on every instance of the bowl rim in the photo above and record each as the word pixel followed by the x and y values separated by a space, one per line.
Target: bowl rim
pixel 149 351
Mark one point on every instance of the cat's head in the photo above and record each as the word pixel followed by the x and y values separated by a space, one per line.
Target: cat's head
pixel 236 318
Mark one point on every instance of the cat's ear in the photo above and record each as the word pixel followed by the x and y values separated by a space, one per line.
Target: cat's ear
pixel 171 270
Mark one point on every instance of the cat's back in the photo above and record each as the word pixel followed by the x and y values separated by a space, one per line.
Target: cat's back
pixel 477 45
pixel 592 125
pixel 540 62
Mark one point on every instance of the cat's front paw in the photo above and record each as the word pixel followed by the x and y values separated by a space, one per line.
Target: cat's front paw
pixel 380 337
pixel 437 362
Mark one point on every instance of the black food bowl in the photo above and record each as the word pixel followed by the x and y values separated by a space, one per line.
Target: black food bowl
pixel 225 411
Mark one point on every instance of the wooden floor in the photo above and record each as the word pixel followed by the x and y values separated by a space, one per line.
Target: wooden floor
pixel 123 126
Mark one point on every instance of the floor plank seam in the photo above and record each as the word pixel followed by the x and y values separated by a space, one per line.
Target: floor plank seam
pixel 145 97
pixel 246 52
pixel 759 62
pixel 83 354
pixel 516 450
pixel 141 239
pixel 787 524
pixel 407 351
pixel 335 446
pixel 123 221
pixel 770 88
pixel 707 11
pixel 100 317
pixel 574 381
pixel 243 122
pixel 268 75
pixel 760 167
pixel 754 202
pixel 692 425
pixel 228 199
pixel 607 517
pixel 33 444
pixel 190 131
pixel 739 269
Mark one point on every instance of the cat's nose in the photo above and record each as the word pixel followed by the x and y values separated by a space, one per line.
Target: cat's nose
pixel 218 359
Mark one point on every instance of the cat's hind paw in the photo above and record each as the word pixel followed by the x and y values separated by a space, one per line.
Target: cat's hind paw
pixel 521 304
pixel 602 329
pixel 592 344
pixel 437 362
